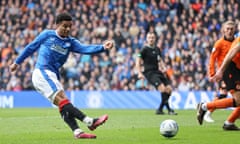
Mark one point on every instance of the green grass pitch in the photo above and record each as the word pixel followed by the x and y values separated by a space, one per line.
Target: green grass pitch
pixel 44 126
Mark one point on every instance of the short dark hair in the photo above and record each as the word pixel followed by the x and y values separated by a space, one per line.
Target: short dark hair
pixel 63 17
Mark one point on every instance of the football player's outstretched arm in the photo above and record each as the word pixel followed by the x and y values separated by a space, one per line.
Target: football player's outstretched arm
pixel 28 50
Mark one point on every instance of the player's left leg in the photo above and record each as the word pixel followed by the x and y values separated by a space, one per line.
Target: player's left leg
pixel 229 123
pixel 64 104
pixel 203 107
pixel 72 123
pixel 164 97
pixel 208 114
pixel 159 110
pixel 169 92
pixel 221 94
pixel 170 110
pixel 68 113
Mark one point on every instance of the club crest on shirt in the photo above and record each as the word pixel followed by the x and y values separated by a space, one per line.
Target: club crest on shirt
pixel 52 38
pixel 67 44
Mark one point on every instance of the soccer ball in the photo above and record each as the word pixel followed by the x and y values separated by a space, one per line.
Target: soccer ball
pixel 169 128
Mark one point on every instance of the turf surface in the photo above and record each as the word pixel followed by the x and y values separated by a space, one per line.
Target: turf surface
pixel 44 126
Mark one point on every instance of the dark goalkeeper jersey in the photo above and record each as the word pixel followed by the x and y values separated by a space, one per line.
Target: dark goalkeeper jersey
pixel 150 57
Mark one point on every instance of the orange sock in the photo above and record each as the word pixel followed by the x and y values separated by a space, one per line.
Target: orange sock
pixel 222 103
pixel 212 110
pixel 234 115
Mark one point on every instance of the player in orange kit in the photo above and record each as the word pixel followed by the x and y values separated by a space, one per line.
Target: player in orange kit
pixel 219 51
pixel 229 72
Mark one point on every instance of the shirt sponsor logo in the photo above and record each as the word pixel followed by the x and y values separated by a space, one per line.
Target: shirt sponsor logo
pixel 59 49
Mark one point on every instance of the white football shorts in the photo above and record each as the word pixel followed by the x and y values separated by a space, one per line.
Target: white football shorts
pixel 46 83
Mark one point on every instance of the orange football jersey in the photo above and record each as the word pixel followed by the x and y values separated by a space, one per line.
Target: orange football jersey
pixel 219 51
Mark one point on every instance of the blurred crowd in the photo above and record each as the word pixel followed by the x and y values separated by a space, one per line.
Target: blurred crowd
pixel 186 31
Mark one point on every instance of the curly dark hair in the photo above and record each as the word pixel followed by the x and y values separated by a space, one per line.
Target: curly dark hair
pixel 63 17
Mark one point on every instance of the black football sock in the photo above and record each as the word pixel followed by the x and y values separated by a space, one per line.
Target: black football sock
pixel 78 114
pixel 72 111
pixel 69 119
pixel 163 102
pixel 167 103
pixel 168 107
pixel 160 108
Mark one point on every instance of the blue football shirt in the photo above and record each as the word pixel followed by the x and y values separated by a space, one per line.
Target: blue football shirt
pixel 53 50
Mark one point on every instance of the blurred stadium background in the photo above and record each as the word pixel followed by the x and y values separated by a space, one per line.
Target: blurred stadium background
pixel 186 30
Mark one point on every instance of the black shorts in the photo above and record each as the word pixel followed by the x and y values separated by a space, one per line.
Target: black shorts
pixel 156 78
pixel 232 77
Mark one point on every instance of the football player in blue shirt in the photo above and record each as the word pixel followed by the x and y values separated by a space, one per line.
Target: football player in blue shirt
pixel 53 48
